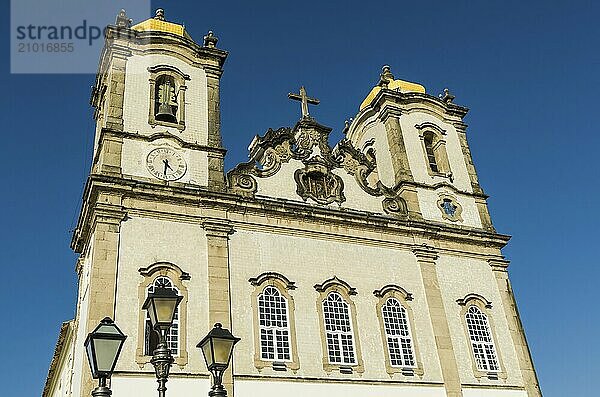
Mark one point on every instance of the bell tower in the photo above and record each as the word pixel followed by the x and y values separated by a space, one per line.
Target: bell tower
pixel 157 145
pixel 157 88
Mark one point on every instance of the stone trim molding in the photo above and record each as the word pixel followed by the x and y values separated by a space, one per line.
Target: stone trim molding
pixel 177 277
pixel 400 294
pixel 161 266
pixel 334 283
pixel 217 228
pixel 485 306
pixel 393 289
pixel 470 297
pixel 284 286
pixel 264 277
pixel 341 287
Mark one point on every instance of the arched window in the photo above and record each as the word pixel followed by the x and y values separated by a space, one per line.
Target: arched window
pixel 481 340
pixel 166 105
pixel 428 141
pixel 397 331
pixel 274 325
pixel 274 333
pixel 434 148
pixel 338 330
pixel 150 336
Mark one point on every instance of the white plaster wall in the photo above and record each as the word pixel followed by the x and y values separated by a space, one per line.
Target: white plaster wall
pixel 375 129
pixel 80 358
pixel 136 106
pixel 416 156
pixel 258 388
pixel 428 203
pixel 129 386
pixel 282 184
pixel 135 152
pixel 146 241
pixel 458 277
pixel 62 386
pixel 309 261
pixel 356 197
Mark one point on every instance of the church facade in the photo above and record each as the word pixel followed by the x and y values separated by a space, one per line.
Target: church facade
pixel 368 268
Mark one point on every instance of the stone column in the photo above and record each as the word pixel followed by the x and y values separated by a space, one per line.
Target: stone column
pixel 219 296
pixel 530 381
pixel 426 257
pixel 104 268
pixel 216 175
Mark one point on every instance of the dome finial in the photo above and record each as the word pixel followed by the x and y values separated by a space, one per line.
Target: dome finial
pixel 386 76
pixel 160 14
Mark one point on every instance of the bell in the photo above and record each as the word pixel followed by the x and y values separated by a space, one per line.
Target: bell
pixel 165 113
pixel 165 110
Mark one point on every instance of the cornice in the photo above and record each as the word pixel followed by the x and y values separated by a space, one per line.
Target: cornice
pixel 498 264
pixel 108 132
pixel 200 197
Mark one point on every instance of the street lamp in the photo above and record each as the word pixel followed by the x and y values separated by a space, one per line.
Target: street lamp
pixel 217 348
pixel 103 346
pixel 161 306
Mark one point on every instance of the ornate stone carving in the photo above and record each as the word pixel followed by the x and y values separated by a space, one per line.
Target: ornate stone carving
pixel 244 183
pixel 318 183
pixel 395 206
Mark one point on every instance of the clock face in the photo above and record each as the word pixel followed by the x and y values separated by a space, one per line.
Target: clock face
pixel 166 164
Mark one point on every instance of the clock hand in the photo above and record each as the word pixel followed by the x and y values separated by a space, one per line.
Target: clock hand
pixel 167 166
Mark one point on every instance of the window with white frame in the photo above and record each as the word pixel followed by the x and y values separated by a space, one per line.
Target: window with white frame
pixel 397 331
pixel 274 325
pixel 151 337
pixel 481 340
pixel 338 329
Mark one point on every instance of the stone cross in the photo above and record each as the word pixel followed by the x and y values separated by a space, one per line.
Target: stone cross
pixel 305 99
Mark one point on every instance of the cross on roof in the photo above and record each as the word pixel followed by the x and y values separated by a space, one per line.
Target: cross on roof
pixel 305 100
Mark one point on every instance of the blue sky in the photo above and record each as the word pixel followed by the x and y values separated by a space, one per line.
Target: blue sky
pixel 527 70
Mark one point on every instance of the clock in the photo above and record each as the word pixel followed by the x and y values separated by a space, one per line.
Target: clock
pixel 166 164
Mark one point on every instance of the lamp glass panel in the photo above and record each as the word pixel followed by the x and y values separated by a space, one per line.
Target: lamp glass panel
pixel 90 354
pixel 106 353
pixel 152 313
pixel 223 349
pixel 207 351
pixel 165 309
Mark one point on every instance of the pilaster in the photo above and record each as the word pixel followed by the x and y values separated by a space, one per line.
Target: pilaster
pixel 426 257
pixel 461 129
pixel 219 294
pixel 530 381
pixel 116 87
pixel 390 118
pixel 106 223
pixel 216 175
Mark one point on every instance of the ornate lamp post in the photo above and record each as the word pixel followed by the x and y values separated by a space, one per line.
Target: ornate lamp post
pixel 217 348
pixel 161 306
pixel 103 346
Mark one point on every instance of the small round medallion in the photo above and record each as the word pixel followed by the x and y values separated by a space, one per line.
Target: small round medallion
pixel 166 164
